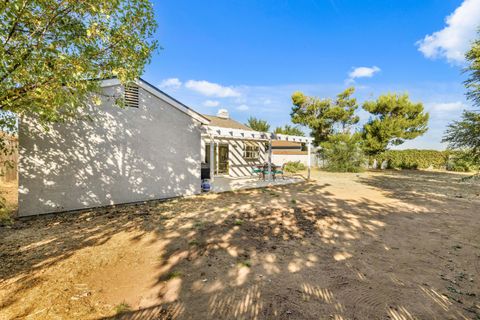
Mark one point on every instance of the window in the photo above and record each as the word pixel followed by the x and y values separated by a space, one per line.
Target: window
pixel 131 96
pixel 251 152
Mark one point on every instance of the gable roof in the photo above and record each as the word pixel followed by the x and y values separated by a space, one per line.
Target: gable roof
pixel 226 123
pixel 162 96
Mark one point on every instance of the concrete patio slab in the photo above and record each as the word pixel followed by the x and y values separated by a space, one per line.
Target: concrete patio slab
pixel 223 184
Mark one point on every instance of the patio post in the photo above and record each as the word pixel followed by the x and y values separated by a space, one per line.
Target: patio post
pixel 309 159
pixel 217 159
pixel 212 160
pixel 269 159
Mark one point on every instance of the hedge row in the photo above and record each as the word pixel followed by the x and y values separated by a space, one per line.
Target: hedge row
pixel 425 159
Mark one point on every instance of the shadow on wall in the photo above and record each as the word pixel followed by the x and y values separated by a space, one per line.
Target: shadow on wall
pixel 122 155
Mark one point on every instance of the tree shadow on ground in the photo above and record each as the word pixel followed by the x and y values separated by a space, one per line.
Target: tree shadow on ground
pixel 286 252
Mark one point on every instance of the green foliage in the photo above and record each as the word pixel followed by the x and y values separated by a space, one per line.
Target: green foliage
pixel 290 130
pixel 325 116
pixel 465 135
pixel 122 308
pixel 257 124
pixel 343 153
pixel 473 82
pixel 294 166
pixel 413 159
pixel 52 50
pixel 5 212
pixel 395 120
pixel 8 128
pixel 424 159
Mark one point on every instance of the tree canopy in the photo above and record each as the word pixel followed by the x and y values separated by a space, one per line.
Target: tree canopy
pixel 290 130
pixel 395 119
pixel 473 82
pixel 257 124
pixel 465 135
pixel 325 116
pixel 53 50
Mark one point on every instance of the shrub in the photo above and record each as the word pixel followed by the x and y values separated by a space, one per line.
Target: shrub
pixel 294 166
pixel 461 162
pixel 424 159
pixel 413 159
pixel 343 153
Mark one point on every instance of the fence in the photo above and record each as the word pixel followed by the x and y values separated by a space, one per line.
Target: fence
pixel 8 158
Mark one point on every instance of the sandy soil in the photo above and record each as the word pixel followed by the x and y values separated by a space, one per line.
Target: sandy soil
pixel 394 245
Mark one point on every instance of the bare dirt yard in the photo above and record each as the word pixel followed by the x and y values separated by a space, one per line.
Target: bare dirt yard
pixel 386 245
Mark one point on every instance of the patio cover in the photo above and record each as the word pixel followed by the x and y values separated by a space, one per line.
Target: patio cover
pixel 213 133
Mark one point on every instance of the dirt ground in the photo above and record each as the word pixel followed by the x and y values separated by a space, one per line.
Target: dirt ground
pixel 389 245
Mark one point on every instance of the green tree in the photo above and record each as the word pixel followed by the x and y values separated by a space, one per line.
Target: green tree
pixel 325 116
pixel 290 130
pixel 473 82
pixel 395 119
pixel 465 135
pixel 343 152
pixel 52 50
pixel 257 124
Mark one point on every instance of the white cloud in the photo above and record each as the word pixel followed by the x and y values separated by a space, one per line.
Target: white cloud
pixel 210 89
pixel 211 103
pixel 447 106
pixel 243 107
pixel 363 72
pixel 172 83
pixel 453 41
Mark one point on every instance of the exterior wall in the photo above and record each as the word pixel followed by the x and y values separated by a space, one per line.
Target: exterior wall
pixel 123 155
pixel 280 159
pixel 238 165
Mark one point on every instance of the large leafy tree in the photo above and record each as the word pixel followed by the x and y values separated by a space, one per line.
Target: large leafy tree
pixel 53 50
pixel 395 120
pixel 290 130
pixel 465 135
pixel 257 124
pixel 325 116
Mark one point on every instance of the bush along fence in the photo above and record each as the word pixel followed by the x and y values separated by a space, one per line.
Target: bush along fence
pixel 422 159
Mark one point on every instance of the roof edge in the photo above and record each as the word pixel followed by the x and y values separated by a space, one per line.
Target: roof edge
pixel 161 95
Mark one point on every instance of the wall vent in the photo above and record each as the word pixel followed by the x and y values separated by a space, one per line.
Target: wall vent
pixel 131 96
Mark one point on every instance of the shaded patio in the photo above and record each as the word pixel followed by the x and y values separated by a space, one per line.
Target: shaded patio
pixel 224 183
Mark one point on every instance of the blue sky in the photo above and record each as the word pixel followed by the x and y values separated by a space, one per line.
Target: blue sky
pixel 250 56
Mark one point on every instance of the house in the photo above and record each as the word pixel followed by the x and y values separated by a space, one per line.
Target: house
pixel 152 148
pixel 288 151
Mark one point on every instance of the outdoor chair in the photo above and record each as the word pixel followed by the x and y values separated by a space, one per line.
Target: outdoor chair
pixel 258 171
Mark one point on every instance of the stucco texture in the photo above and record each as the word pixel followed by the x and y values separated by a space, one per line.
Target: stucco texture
pixel 122 155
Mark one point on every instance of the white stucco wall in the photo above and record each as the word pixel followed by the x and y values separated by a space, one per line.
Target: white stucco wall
pixel 280 159
pixel 123 155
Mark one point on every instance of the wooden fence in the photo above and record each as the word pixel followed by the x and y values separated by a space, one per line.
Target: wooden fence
pixel 9 158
